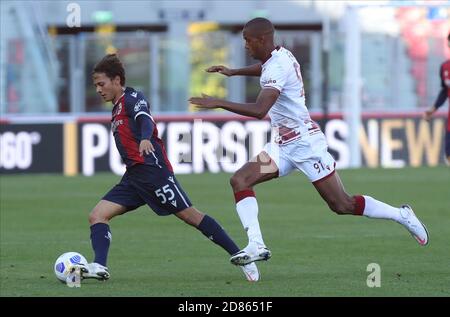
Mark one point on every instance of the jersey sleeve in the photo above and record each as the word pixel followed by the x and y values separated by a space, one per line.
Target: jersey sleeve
pixel 274 77
pixel 138 106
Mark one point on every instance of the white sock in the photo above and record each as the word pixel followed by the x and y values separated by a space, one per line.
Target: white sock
pixel 247 210
pixel 377 209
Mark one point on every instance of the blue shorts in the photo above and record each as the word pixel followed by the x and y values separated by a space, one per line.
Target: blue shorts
pixel 151 185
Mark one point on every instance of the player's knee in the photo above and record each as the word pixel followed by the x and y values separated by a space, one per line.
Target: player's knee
pixel 237 182
pixel 191 216
pixel 97 216
pixel 92 218
pixel 234 180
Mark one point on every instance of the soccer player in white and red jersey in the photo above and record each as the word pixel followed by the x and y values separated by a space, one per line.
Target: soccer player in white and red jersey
pixel 297 143
pixel 444 93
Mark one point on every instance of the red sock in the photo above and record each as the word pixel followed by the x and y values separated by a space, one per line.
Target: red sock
pixel 238 196
pixel 360 204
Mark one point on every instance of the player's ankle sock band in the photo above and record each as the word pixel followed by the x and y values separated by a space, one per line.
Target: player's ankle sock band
pixel 238 196
pixel 360 205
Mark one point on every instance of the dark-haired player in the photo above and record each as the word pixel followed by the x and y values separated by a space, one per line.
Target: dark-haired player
pixel 149 177
pixel 298 143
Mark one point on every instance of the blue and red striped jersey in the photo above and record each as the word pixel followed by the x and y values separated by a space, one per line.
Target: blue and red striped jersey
pixel 127 132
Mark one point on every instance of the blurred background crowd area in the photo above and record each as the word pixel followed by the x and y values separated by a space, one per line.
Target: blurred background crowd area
pixel 48 50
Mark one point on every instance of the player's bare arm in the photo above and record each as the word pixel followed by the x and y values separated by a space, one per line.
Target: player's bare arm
pixel 429 113
pixel 265 100
pixel 252 70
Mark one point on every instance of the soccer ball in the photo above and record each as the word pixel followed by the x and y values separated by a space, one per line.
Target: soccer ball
pixel 64 264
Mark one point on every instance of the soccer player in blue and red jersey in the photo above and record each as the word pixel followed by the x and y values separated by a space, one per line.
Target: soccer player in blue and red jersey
pixel 444 93
pixel 149 177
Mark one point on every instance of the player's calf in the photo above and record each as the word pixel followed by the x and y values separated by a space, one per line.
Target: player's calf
pixel 342 207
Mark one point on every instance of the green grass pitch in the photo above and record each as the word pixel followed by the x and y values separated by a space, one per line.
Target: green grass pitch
pixel 315 252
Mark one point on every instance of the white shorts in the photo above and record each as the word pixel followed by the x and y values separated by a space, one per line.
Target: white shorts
pixel 309 155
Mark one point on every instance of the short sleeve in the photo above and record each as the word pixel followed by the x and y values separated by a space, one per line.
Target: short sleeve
pixel 274 77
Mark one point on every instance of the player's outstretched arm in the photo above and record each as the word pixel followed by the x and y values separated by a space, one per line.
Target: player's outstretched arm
pixel 252 70
pixel 442 96
pixel 258 109
pixel 439 102
pixel 429 113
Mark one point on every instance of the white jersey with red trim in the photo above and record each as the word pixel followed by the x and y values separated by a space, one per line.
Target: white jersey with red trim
pixel 282 72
